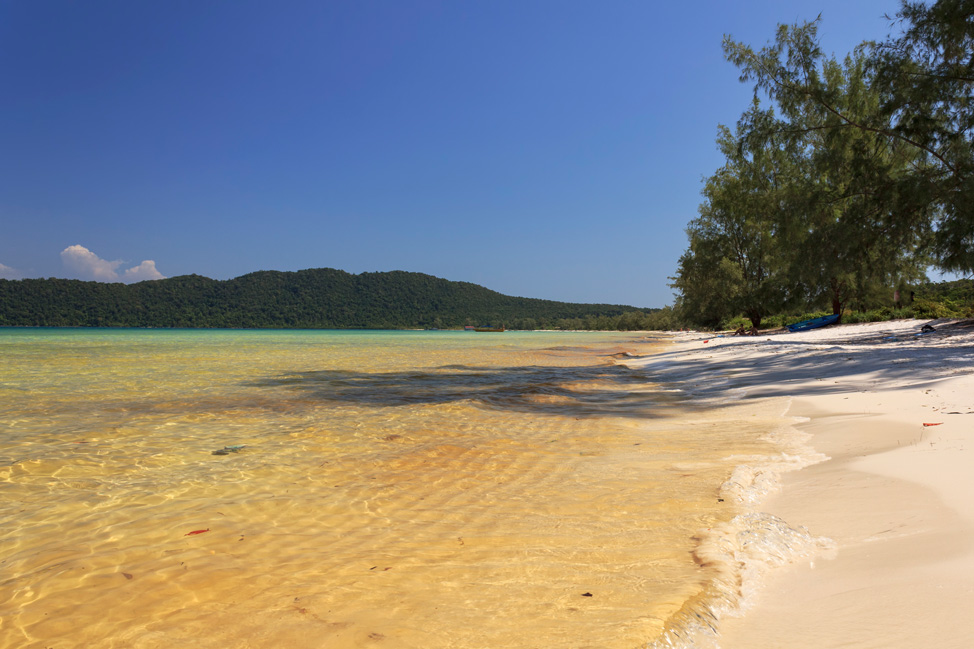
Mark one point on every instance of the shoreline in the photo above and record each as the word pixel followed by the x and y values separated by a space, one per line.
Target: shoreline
pixel 893 497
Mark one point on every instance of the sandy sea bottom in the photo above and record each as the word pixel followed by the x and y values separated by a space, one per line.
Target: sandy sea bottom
pixel 394 489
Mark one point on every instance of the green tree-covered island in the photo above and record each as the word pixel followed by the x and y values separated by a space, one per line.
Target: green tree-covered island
pixel 321 298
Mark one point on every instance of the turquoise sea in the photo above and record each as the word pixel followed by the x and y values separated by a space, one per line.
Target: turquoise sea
pixel 312 489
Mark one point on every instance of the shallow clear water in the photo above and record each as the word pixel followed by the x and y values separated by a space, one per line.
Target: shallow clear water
pixel 394 489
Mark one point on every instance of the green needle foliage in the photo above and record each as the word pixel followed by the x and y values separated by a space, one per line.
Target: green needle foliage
pixel 926 80
pixel 735 262
pixel 855 178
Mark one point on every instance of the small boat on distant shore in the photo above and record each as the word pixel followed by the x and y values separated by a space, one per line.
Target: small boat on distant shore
pixel 814 323
pixel 469 328
pixel 496 329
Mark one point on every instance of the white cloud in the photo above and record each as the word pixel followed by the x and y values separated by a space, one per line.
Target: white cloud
pixel 6 272
pixel 88 265
pixel 145 270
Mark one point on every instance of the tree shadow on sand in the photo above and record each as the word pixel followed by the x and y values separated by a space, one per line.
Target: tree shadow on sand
pixel 604 390
pixel 836 366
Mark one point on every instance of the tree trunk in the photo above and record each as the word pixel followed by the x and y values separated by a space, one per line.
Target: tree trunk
pixel 835 286
pixel 755 319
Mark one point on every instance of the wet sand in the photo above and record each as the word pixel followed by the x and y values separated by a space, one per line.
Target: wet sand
pixel 893 412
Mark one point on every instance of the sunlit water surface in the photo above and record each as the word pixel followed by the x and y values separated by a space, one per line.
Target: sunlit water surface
pixel 394 489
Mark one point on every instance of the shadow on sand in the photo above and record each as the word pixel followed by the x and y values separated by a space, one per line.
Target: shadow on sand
pixel 773 366
pixel 656 386
pixel 604 390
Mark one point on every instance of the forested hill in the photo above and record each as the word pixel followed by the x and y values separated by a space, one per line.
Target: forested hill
pixel 321 298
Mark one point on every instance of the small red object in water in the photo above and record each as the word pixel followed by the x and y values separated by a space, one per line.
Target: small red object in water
pixel 196 532
pixel 935 424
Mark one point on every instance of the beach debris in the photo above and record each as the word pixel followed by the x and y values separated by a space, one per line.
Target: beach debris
pixel 927 328
pixel 936 423
pixel 587 595
pixel 195 532
pixel 127 575
pixel 227 450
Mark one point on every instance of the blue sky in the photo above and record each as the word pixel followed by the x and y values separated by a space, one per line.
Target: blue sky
pixel 551 149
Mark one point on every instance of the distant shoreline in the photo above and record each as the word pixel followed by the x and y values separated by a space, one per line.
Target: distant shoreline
pixel 315 298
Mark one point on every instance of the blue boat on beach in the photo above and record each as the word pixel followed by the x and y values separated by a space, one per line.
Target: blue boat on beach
pixel 814 323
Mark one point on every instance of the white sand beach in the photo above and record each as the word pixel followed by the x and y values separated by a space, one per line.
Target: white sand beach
pixel 893 411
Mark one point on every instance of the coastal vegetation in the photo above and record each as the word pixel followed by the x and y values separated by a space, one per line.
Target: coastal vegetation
pixel 953 299
pixel 321 298
pixel 844 180
pixel 333 299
